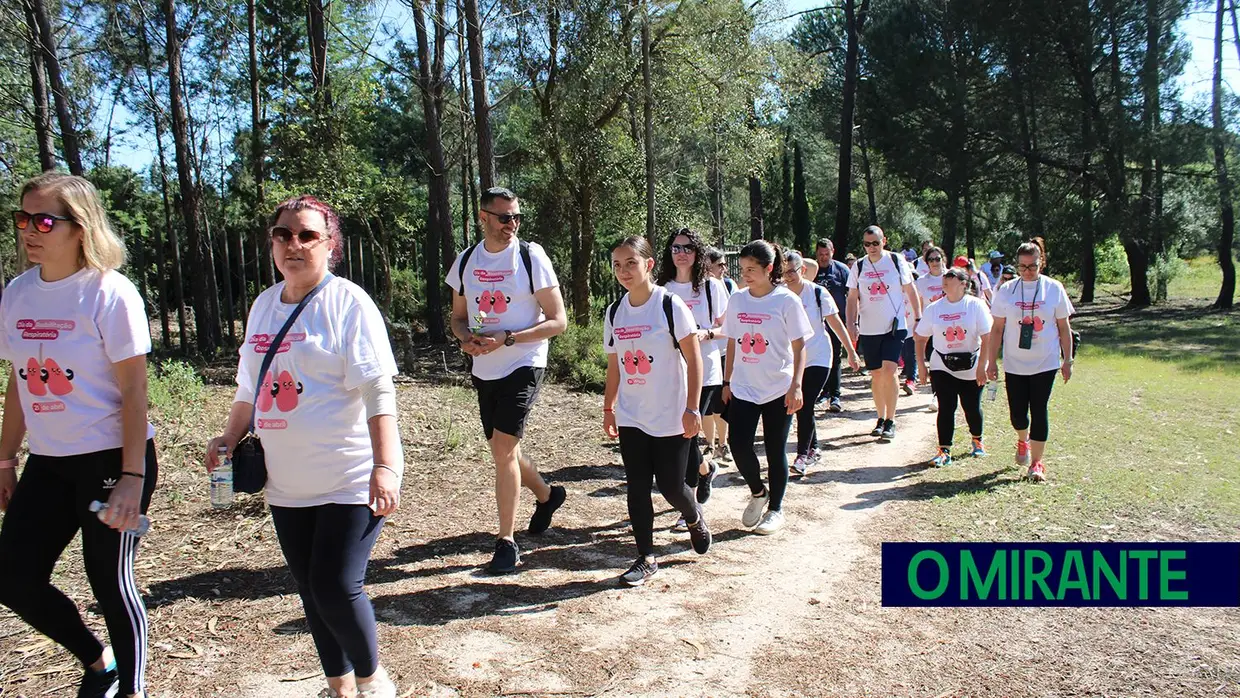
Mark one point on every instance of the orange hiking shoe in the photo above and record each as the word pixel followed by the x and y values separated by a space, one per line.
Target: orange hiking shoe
pixel 1022 453
pixel 1037 472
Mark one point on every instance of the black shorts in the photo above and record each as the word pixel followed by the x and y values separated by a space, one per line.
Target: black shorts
pixel 877 348
pixel 712 400
pixel 504 403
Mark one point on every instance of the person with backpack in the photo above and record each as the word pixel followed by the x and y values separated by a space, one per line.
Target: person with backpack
pixel 1033 327
pixel 506 307
pixel 652 398
pixel 821 311
pixel 960 326
pixel 930 289
pixel 832 275
pixel 767 330
pixel 683 272
pixel 880 284
pixel 715 425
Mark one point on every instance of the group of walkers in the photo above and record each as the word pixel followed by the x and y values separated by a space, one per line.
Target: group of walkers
pixel 694 363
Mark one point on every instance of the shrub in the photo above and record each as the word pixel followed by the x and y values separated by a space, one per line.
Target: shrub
pixel 576 357
pixel 175 393
pixel 408 305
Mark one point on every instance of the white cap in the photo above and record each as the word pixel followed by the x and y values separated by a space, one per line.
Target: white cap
pixel 996 254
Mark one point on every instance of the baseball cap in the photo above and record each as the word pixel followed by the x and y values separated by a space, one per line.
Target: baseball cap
pixel 996 254
pixel 961 261
pixel 910 254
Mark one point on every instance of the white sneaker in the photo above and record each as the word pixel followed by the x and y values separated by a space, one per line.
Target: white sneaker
pixel 771 522
pixel 814 458
pixel 934 404
pixel 798 465
pixel 753 510
pixel 328 692
pixel 381 687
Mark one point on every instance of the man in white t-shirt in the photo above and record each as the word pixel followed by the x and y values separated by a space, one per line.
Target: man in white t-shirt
pixel 506 307
pixel 879 285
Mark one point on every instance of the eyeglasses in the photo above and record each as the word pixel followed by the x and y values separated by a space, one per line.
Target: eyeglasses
pixel 43 222
pixel 873 243
pixel 682 249
pixel 506 218
pixel 933 260
pixel 793 272
pixel 1028 267
pixel 284 236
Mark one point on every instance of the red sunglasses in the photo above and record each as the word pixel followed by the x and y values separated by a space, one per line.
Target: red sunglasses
pixel 43 222
pixel 284 235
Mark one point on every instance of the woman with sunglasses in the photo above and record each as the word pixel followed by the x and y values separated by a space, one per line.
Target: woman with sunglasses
pixel 684 272
pixel 1033 328
pixel 960 325
pixel 76 333
pixel 326 413
pixel 654 381
pixel 821 311
pixel 767 330
pixel 930 288
pixel 715 424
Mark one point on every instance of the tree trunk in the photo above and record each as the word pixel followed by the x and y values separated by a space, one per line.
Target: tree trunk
pixel 482 104
pixel 316 31
pixel 1088 263
pixel 843 191
pixel 266 269
pixel 1227 235
pixel 447 243
pixel 648 123
pixel 1138 246
pixel 169 230
pixel 464 109
pixel 800 203
pixel 207 332
pixel 785 194
pixel 583 256
pixel 869 183
pixel 38 90
pixel 1027 118
pixel 60 95
pixel 968 221
pixel 439 218
pixel 755 207
pixel 714 184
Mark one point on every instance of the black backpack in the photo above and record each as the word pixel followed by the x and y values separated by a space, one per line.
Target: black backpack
pixel 526 260
pixel 667 313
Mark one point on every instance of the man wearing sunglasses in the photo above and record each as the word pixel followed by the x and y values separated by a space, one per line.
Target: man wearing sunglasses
pixel 506 306
pixel 833 276
pixel 880 284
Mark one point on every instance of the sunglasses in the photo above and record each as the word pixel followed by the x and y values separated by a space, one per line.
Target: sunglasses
pixel 932 260
pixel 43 222
pixel 873 243
pixel 284 236
pixel 682 249
pixel 1027 267
pixel 506 218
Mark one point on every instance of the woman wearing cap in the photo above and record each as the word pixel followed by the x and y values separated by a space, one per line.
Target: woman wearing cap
pixel 979 285
pixel 1008 273
pixel 960 326
pixel 1031 324
pixel 994 269
pixel 821 310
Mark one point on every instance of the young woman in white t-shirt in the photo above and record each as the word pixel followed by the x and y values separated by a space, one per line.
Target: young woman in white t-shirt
pixel 683 272
pixel 767 330
pixel 714 426
pixel 75 330
pixel 1033 328
pixel 654 385
pixel 960 327
pixel 930 288
pixel 326 413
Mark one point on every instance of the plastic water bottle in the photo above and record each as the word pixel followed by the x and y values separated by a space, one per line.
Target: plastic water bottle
pixel 144 524
pixel 222 481
pixel 992 391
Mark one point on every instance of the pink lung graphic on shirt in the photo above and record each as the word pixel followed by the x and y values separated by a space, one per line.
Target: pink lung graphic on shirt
pixel 760 344
pixel 493 301
pixel 484 302
pixel 1037 322
pixel 58 379
pixel 33 375
pixel 265 394
pixel 643 362
pixel 629 362
pixel 878 288
pixel 286 391
pixel 955 333
pixel 46 375
pixel 746 343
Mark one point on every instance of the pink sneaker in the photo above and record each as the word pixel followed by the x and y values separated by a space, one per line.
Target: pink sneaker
pixel 1022 453
pixel 1037 472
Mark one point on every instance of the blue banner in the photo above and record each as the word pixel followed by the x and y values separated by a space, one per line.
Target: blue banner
pixel 1061 574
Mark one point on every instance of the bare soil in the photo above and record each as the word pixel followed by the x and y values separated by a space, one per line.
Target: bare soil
pixel 797 613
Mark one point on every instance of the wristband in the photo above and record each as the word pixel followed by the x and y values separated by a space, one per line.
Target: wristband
pixel 388 467
pixel 608 410
pixel 696 413
pixel 126 473
pixel 8 464
pixel 727 383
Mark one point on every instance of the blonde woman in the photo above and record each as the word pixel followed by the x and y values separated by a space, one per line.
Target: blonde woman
pixel 76 332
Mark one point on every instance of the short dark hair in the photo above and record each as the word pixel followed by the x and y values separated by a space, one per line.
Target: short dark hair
pixel 496 193
pixel 957 273
pixel 824 242
pixel 874 230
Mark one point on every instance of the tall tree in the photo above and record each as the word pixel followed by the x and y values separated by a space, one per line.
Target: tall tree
pixel 42 28
pixel 1227 214
pixel 38 89
pixel 854 21
pixel 316 30
pixel 1137 242
pixel 208 331
pixel 648 124
pixel 482 103
pixel 439 218
pixel 800 202
pixel 266 270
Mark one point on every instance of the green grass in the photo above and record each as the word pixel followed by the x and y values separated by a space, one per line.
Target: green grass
pixel 1143 439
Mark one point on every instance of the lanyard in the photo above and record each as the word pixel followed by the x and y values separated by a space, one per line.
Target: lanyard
pixel 1036 290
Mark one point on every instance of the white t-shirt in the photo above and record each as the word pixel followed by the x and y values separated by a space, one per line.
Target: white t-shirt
pixel 818 348
pixel 992 278
pixel 712 365
pixel 921 267
pixel 729 287
pixel 653 385
pixel 955 327
pixel 62 338
pixel 497 297
pixel 763 330
pixel 1014 302
pixel 930 288
pixel 313 427
pixel 882 292
pixel 983 284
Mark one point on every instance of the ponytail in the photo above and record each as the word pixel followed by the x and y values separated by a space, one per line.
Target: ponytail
pixel 766 253
pixel 1036 247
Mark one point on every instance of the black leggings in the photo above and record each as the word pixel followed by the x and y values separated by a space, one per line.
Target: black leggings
pixel 49 506
pixel 1028 397
pixel 776 422
pixel 813 380
pixel 649 459
pixel 949 390
pixel 327 548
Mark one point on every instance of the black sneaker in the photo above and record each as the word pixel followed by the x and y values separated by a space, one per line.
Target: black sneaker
pixel 704 484
pixel 541 520
pixel 507 557
pixel 835 405
pixel 100 684
pixel 889 430
pixel 700 535
pixel 878 428
pixel 639 572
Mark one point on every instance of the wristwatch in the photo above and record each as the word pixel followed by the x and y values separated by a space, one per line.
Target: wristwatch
pixel 509 338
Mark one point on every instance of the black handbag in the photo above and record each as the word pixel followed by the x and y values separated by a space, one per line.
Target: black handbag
pixel 958 360
pixel 249 460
